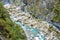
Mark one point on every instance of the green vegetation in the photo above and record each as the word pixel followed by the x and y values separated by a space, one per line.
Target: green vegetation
pixel 8 29
pixel 35 9
pixel 57 11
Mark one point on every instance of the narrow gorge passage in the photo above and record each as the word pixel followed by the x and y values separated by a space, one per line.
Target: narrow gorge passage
pixel 35 29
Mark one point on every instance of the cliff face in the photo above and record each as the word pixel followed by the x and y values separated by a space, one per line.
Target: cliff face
pixel 46 10
pixel 41 9
pixel 8 29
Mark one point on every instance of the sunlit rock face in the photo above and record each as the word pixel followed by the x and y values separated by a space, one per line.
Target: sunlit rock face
pixel 7 6
pixel 6 3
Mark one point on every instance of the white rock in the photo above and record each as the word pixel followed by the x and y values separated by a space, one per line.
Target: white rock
pixel 37 38
pixel 7 6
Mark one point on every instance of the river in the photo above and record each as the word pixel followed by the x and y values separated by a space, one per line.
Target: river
pixel 35 32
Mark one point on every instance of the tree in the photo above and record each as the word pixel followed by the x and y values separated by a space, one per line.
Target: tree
pixel 3 12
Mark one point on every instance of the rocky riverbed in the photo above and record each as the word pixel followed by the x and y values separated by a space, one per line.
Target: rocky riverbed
pixel 35 30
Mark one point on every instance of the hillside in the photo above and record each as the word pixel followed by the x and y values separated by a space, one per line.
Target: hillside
pixel 8 29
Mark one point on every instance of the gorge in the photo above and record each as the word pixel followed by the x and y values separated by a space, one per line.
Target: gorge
pixel 35 17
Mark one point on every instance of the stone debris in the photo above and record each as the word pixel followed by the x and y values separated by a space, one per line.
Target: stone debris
pixel 28 20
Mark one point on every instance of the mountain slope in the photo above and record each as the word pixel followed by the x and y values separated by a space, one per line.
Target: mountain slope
pixel 8 29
